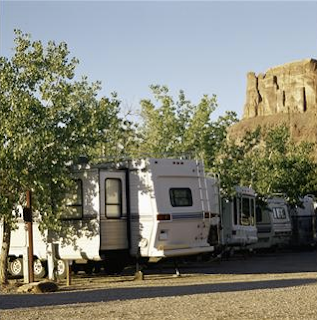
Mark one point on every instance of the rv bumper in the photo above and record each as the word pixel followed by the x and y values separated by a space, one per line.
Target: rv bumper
pixel 167 253
pixel 241 241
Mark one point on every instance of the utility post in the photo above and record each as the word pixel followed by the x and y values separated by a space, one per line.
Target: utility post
pixel 27 215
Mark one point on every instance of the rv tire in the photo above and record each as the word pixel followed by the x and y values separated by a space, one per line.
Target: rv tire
pixel 15 267
pixel 61 269
pixel 39 269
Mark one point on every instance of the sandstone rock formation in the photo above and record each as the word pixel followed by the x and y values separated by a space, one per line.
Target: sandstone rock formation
pixel 285 94
pixel 290 88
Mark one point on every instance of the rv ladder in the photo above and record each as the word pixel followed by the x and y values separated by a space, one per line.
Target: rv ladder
pixel 202 184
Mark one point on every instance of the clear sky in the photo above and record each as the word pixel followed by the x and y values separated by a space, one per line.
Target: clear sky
pixel 201 47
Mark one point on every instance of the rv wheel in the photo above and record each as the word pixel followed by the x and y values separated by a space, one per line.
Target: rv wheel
pixel 39 268
pixel 61 269
pixel 16 267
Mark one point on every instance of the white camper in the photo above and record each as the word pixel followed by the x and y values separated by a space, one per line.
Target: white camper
pixel 273 223
pixel 19 246
pixel 148 209
pixel 152 209
pixel 238 219
pixel 281 221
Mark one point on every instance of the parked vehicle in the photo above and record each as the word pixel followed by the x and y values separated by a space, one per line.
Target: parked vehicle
pixel 304 223
pixel 19 244
pixel 147 209
pixel 238 228
pixel 273 224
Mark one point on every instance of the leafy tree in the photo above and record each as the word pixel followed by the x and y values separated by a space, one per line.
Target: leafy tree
pixel 288 167
pixel 115 134
pixel 270 163
pixel 233 163
pixel 178 128
pixel 47 121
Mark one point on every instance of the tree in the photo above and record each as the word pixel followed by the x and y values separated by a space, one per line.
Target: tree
pixel 270 163
pixel 233 163
pixel 47 121
pixel 287 167
pixel 181 128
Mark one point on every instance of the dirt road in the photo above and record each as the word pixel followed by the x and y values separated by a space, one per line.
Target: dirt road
pixel 270 286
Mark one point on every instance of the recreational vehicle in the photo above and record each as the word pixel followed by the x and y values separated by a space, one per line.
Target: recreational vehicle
pixel 273 224
pixel 238 219
pixel 147 209
pixel 304 223
pixel 19 245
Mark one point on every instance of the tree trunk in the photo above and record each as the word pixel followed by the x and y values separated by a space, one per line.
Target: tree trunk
pixel 5 253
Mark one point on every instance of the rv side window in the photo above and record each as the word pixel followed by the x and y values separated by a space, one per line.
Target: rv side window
pixel 181 197
pixel 113 198
pixel 74 202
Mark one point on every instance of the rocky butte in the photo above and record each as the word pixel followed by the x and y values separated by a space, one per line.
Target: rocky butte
pixel 285 94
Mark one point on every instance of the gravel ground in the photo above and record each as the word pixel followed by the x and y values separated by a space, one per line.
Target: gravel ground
pixel 253 291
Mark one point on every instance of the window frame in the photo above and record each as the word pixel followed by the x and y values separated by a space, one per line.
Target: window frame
pixel 120 204
pixel 174 200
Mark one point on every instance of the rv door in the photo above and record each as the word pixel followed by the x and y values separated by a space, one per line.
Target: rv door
pixel 113 214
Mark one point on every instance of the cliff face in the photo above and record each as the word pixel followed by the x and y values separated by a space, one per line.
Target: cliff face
pixel 290 88
pixel 286 95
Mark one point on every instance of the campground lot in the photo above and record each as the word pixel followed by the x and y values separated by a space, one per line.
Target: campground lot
pixel 280 285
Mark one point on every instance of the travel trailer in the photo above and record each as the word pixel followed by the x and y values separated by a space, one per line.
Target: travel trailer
pixel 147 209
pixel 273 224
pixel 238 228
pixel 303 219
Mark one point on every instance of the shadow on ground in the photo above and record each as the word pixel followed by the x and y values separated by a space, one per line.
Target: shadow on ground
pixel 260 263
pixel 14 301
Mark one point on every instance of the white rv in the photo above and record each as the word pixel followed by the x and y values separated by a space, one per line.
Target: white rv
pixel 150 209
pixel 19 245
pixel 238 219
pixel 273 223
